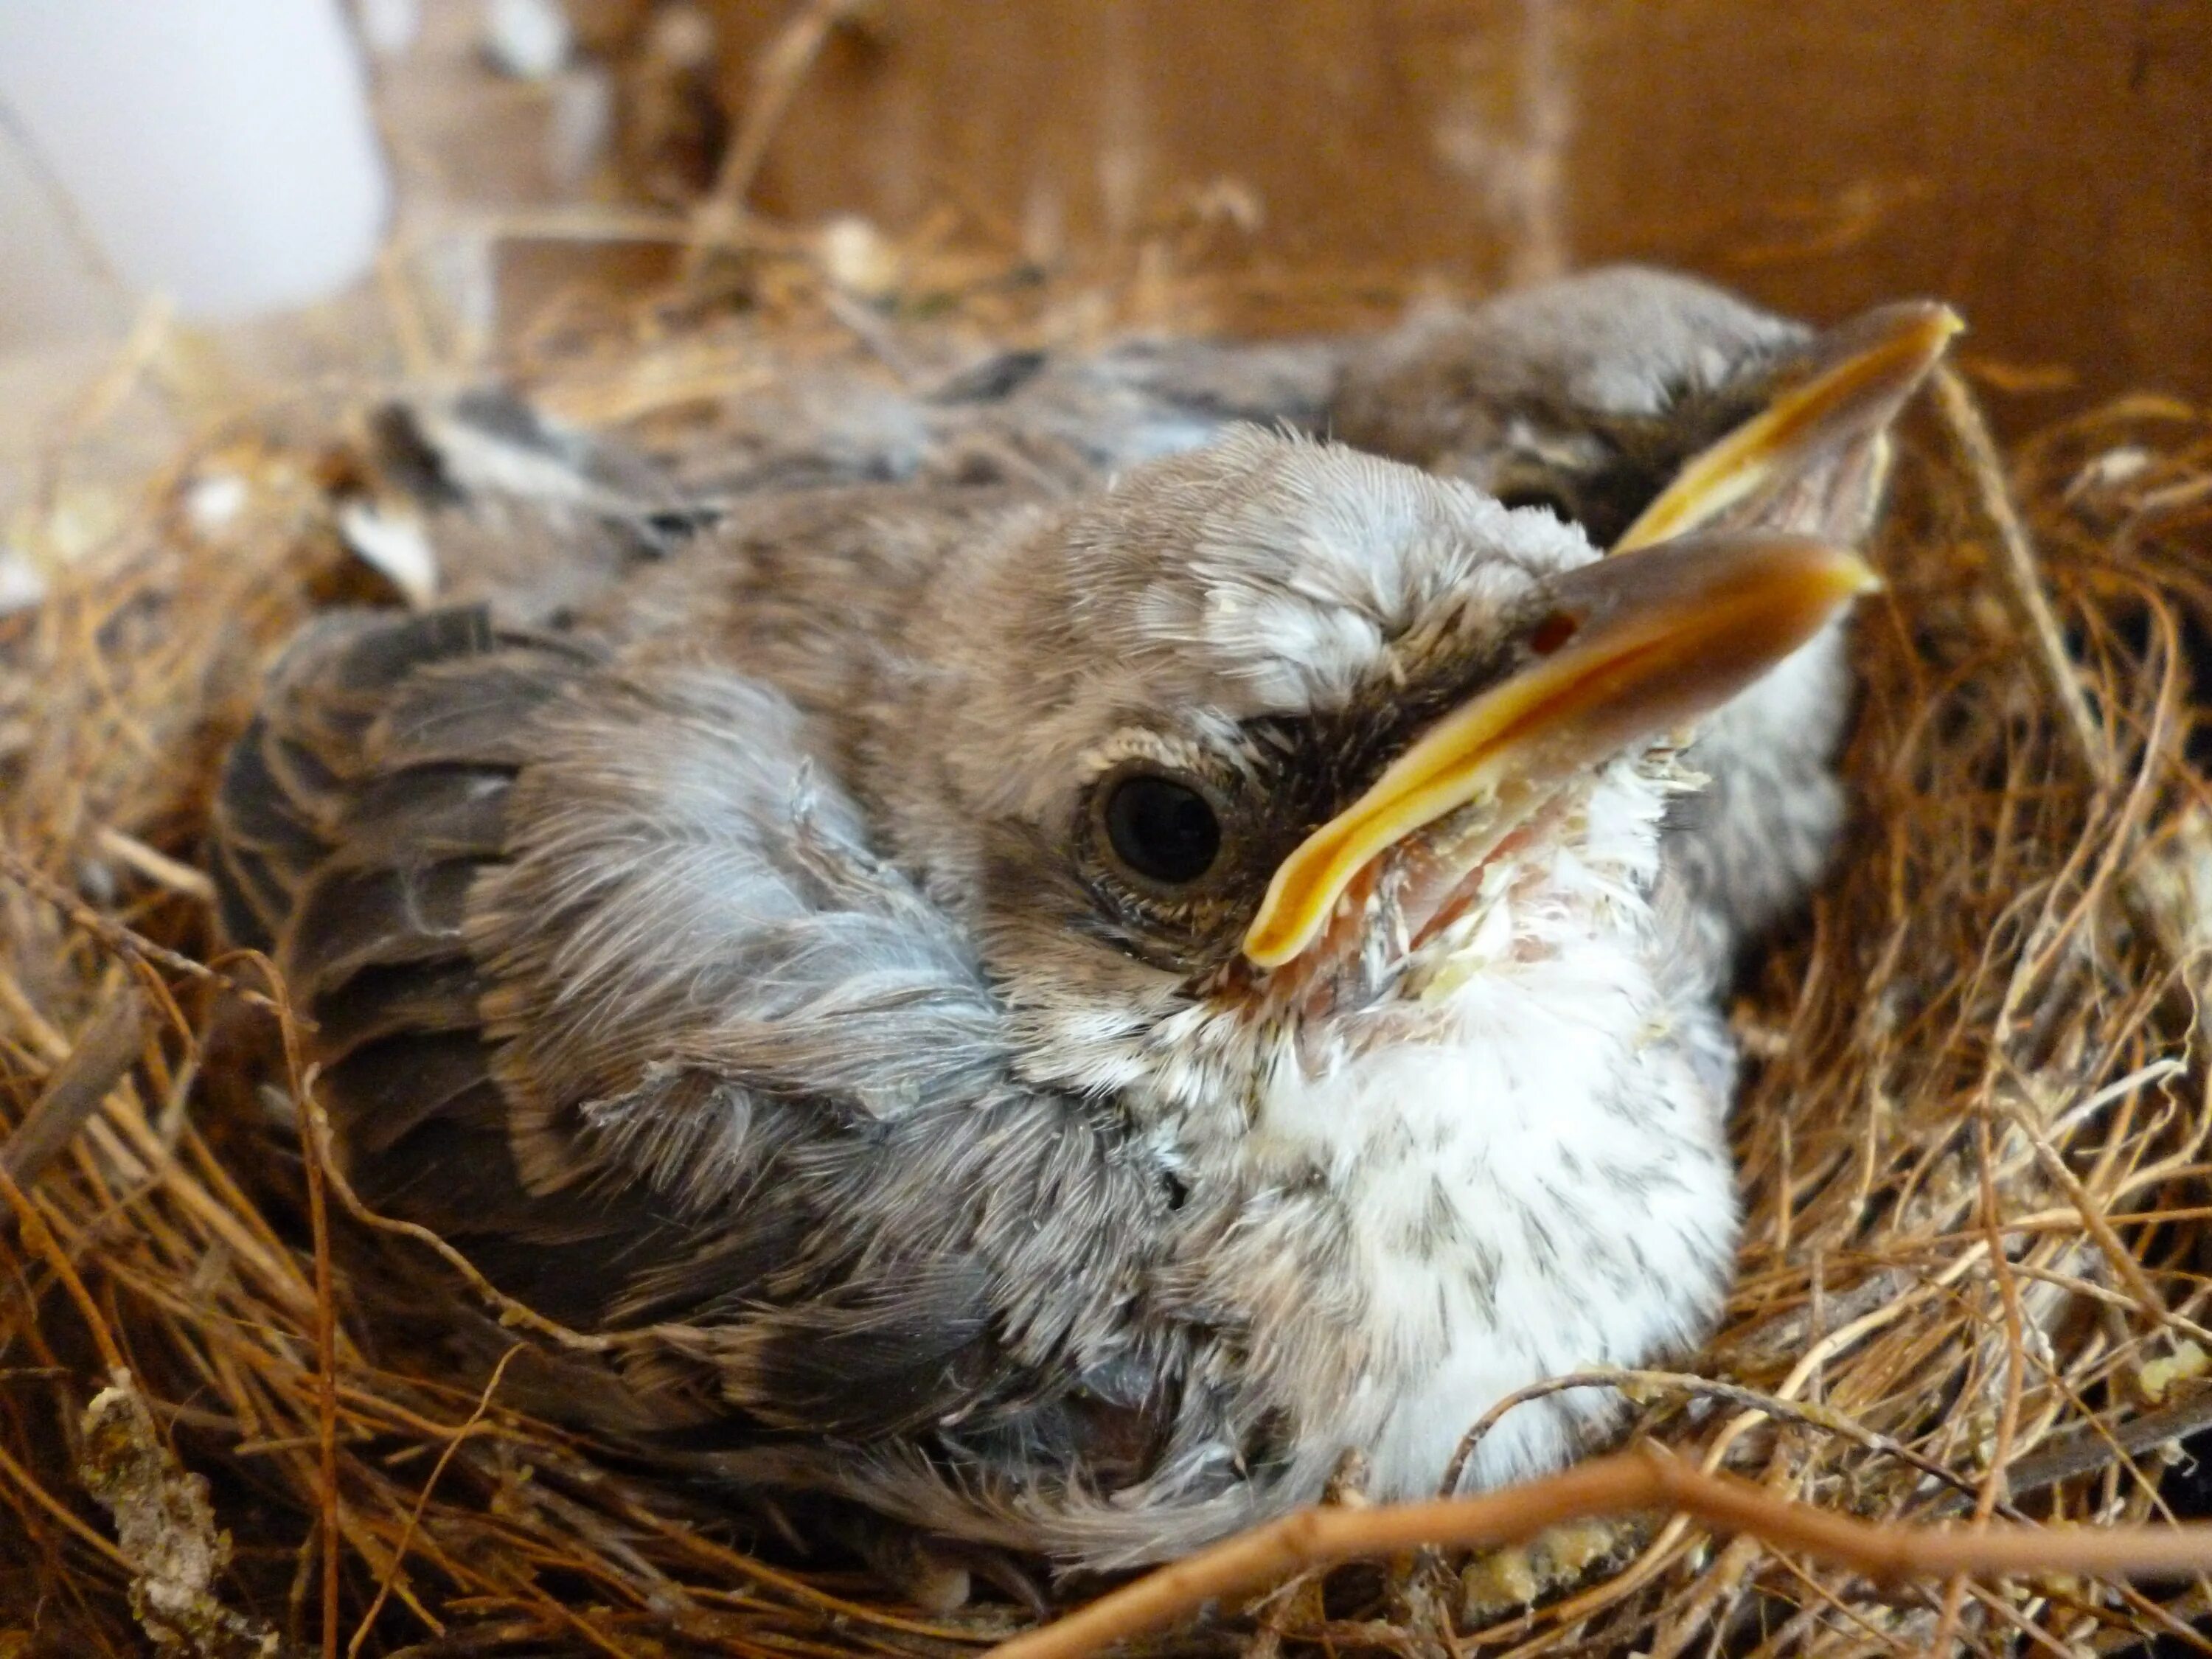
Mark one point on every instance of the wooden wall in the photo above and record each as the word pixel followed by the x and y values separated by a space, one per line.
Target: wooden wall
pixel 2045 164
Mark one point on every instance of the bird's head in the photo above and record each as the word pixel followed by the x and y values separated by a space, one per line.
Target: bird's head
pixel 1277 754
pixel 1264 755
pixel 1598 395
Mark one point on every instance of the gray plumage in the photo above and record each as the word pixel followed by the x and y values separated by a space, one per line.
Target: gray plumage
pixel 1025 417
pixel 749 963
pixel 701 983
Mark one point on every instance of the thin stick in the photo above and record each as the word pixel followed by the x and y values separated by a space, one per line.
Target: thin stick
pixel 75 1090
pixel 155 865
pixel 511 1311
pixel 2095 1445
pixel 32 1488
pixel 1750 1400
pixel 38 1239
pixel 781 71
pixel 391 1576
pixel 125 942
pixel 301 1084
pixel 1625 1482
pixel 1993 1484
pixel 1954 400
pixel 2093 1219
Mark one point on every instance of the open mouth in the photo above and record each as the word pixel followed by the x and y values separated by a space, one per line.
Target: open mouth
pixel 1631 647
pixel 1423 901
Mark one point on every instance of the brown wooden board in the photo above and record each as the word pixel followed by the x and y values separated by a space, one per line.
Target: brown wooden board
pixel 2045 164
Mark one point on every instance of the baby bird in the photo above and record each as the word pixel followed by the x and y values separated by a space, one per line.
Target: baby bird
pixel 1051 1017
pixel 1640 404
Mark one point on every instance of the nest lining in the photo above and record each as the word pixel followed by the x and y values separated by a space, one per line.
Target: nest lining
pixel 1970 1135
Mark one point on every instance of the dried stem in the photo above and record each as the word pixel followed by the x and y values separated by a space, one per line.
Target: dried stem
pixel 1750 1400
pixel 1619 1484
pixel 301 1082
pixel 781 71
pixel 2095 1446
pixel 103 1052
pixel 388 1578
pixel 2023 571
pixel 40 1239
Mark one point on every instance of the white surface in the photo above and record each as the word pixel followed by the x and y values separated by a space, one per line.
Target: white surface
pixel 390 28
pixel 21 586
pixel 51 287
pixel 529 40
pixel 220 151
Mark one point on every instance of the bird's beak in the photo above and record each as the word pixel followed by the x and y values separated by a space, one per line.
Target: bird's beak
pixel 1632 645
pixel 1830 417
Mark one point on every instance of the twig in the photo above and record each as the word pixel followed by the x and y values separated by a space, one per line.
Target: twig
pixel 34 1489
pixel 74 1092
pixel 781 72
pixel 511 1311
pixel 1954 400
pixel 38 1239
pixel 386 1580
pixel 2094 1222
pixel 2008 1429
pixel 1886 1554
pixel 125 942
pixel 155 865
pixel 325 1311
pixel 699 1548
pixel 2095 1445
pixel 1749 1400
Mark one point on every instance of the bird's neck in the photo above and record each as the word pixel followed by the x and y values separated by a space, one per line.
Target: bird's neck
pixel 1548 974
pixel 1530 1177
pixel 1496 1045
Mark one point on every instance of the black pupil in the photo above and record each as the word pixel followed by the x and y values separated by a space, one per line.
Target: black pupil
pixel 1162 829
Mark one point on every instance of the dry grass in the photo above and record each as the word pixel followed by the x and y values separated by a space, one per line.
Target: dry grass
pixel 1971 1140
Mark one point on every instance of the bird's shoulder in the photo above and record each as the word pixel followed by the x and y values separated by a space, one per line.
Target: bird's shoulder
pixel 606 985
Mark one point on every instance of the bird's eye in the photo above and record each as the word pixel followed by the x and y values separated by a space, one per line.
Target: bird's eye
pixel 1550 500
pixel 1161 829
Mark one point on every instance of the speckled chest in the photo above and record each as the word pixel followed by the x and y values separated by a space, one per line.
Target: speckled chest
pixel 1433 1226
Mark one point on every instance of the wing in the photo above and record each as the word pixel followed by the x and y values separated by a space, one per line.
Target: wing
pixel 1021 416
pixel 1140 398
pixel 477 498
pixel 609 991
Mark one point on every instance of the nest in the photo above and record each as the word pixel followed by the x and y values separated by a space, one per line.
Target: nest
pixel 1970 1139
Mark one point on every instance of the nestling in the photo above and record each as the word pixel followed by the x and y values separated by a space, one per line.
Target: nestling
pixel 1055 1017
pixel 1641 404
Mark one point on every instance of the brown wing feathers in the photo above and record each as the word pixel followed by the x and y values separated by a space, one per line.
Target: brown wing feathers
pixel 351 820
pixel 429 811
